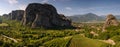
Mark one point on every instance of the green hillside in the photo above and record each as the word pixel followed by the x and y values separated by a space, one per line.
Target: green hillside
pixel 15 35
pixel 78 41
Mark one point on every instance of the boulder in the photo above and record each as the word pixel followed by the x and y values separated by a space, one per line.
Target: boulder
pixel 44 15
pixel 110 21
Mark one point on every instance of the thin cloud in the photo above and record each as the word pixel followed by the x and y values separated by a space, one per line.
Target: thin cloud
pixel 61 0
pixel 68 8
pixel 44 1
pixel 22 7
pixel 12 1
pixel 54 0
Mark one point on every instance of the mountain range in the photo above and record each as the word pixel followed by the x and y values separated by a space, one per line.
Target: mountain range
pixel 89 17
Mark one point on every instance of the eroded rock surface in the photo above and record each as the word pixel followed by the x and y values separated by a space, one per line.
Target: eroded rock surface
pixel 44 15
pixel 17 15
pixel 110 20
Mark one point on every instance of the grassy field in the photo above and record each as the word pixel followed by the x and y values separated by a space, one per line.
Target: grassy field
pixel 79 41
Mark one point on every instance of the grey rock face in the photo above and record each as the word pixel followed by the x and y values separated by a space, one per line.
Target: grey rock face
pixel 17 15
pixel 44 15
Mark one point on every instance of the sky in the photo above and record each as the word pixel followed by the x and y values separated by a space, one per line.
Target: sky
pixel 67 7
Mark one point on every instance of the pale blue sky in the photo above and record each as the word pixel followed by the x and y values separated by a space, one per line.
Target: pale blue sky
pixel 67 7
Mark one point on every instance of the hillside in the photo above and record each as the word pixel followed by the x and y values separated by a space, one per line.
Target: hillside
pixel 15 35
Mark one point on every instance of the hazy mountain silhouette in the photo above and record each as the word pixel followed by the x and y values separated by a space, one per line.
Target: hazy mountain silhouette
pixel 117 16
pixel 85 18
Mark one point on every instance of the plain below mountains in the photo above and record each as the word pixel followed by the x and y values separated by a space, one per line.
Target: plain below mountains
pixel 89 17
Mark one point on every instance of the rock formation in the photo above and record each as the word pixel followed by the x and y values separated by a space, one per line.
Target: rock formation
pixel 5 15
pixel 110 20
pixel 1 20
pixel 17 15
pixel 44 15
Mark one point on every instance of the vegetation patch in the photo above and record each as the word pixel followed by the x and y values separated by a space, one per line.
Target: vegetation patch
pixel 79 41
pixel 58 42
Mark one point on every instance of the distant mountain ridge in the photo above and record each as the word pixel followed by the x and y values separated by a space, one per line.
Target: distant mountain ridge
pixel 85 17
pixel 117 16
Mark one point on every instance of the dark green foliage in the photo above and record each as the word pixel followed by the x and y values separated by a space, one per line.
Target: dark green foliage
pixel 113 28
pixel 111 31
pixel 104 36
pixel 116 38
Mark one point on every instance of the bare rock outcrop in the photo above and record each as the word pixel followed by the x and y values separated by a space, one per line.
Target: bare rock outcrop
pixel 44 15
pixel 16 15
pixel 110 20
